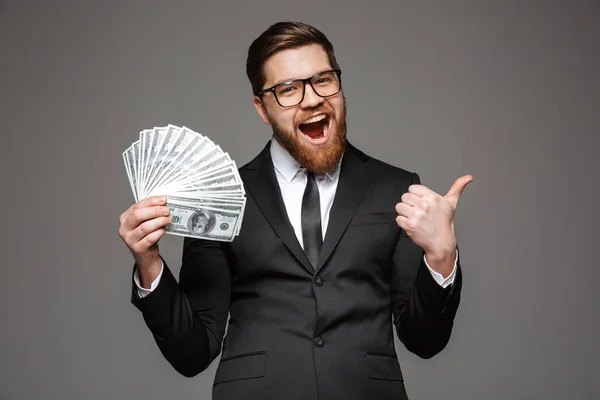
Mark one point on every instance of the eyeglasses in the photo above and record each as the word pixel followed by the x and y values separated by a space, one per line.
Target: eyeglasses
pixel 291 93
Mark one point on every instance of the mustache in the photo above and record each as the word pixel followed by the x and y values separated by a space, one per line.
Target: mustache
pixel 317 110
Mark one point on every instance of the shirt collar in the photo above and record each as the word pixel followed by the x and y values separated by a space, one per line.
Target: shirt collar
pixel 288 167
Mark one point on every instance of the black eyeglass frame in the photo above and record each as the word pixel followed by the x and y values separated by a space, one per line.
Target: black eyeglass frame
pixel 309 80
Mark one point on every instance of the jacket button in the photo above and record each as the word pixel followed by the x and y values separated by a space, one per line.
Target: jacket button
pixel 318 281
pixel 319 342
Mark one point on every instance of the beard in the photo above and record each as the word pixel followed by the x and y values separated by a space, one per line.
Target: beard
pixel 317 159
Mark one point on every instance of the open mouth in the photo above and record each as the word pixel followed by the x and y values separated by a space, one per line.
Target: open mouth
pixel 316 129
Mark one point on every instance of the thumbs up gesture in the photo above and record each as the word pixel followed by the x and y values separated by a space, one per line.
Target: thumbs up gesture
pixel 428 219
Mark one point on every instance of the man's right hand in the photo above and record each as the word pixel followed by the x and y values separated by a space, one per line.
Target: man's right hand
pixel 141 227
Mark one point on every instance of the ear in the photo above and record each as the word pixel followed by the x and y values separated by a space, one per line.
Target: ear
pixel 258 104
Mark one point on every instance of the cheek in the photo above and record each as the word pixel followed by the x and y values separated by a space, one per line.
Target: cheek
pixel 287 121
pixel 283 119
pixel 337 105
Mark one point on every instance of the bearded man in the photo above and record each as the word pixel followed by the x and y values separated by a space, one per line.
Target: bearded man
pixel 336 250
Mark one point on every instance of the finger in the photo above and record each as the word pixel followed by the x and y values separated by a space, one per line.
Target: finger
pixel 123 217
pixel 125 214
pixel 403 222
pixel 421 190
pixel 411 199
pixel 151 201
pixel 140 215
pixel 405 210
pixel 151 239
pixel 148 227
pixel 457 188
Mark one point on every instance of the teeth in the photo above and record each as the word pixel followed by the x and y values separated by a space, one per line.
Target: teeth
pixel 314 119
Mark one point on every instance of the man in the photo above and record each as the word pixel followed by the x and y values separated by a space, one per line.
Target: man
pixel 334 244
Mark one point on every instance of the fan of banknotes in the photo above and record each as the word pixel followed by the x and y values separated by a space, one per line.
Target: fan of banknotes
pixel 201 182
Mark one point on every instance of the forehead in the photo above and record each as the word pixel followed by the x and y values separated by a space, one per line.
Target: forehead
pixel 300 62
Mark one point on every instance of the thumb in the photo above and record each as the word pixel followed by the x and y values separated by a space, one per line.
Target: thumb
pixel 457 189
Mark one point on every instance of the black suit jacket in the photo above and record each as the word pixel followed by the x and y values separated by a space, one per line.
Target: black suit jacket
pixel 298 332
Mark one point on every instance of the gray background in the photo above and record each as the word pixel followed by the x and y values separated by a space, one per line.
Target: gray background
pixel 505 90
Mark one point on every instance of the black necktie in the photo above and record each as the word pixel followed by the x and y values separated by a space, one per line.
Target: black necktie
pixel 311 220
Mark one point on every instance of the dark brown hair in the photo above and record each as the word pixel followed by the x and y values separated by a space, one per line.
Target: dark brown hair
pixel 282 36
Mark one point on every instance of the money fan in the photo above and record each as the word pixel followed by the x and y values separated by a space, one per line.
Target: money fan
pixel 201 182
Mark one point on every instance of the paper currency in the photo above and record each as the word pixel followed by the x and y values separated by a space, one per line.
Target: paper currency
pixel 203 222
pixel 202 184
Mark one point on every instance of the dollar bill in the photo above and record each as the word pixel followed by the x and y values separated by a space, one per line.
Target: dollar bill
pixel 202 222
pixel 233 205
pixel 136 159
pixel 128 167
pixel 160 135
pixel 146 139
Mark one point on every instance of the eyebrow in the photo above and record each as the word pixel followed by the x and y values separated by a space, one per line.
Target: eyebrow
pixel 295 79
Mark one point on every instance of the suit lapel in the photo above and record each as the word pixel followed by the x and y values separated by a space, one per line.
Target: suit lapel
pixel 261 182
pixel 353 182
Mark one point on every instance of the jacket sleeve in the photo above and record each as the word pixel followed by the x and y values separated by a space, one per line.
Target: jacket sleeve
pixel 188 319
pixel 423 310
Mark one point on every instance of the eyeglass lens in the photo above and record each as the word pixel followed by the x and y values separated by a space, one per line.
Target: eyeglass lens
pixel 291 93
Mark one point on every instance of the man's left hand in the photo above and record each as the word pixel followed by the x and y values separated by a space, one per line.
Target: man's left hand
pixel 428 219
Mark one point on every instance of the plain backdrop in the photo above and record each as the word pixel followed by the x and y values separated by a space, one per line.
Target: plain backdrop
pixel 507 91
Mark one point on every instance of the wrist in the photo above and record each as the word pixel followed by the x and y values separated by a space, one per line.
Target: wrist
pixel 441 261
pixel 148 270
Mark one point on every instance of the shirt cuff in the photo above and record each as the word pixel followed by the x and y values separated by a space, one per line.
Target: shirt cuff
pixel 142 292
pixel 439 278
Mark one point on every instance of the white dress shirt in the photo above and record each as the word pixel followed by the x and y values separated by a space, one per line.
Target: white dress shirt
pixel 292 182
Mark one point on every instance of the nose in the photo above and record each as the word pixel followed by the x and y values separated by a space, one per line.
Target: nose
pixel 311 99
